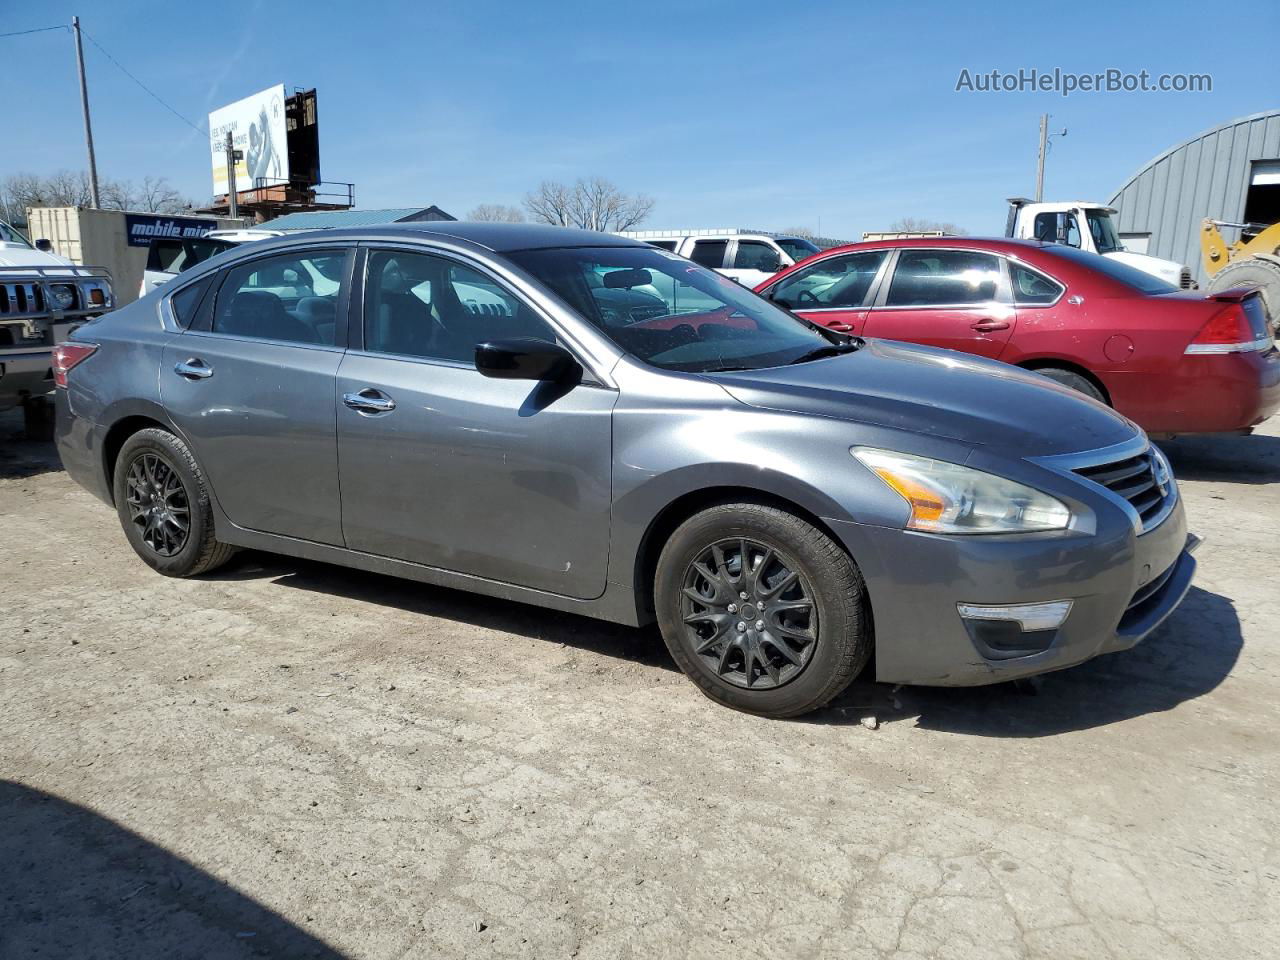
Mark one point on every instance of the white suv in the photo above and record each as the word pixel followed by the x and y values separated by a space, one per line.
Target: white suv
pixel 750 257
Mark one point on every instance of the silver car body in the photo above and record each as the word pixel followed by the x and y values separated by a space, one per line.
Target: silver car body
pixel 563 498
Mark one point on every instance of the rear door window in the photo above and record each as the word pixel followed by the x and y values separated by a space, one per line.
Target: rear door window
pixel 944 278
pixel 292 297
pixel 709 253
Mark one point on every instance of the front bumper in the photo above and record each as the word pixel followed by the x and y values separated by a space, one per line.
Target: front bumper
pixel 1122 586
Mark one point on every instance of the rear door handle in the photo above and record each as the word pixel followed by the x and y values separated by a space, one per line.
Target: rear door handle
pixel 193 368
pixel 369 401
pixel 984 326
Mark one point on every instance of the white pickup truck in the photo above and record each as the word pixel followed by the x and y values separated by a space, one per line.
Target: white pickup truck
pixel 42 299
pixel 749 256
pixel 1062 222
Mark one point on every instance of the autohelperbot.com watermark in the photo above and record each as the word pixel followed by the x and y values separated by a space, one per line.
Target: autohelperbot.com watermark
pixel 1066 82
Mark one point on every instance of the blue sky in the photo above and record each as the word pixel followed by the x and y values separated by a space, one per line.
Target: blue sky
pixel 727 113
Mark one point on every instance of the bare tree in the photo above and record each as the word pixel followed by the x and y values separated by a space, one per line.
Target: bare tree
pixel 496 213
pixel 921 225
pixel 591 203
pixel 71 189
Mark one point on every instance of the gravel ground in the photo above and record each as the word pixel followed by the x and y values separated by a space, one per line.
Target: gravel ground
pixel 288 759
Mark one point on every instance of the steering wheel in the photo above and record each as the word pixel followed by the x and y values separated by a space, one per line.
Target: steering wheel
pixel 685 332
pixel 806 296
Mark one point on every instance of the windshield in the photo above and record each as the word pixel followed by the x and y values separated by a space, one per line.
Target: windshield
pixel 1103 229
pixel 9 235
pixel 1130 276
pixel 670 312
pixel 797 248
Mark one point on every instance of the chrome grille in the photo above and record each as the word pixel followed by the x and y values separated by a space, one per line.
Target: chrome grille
pixel 18 299
pixel 1141 481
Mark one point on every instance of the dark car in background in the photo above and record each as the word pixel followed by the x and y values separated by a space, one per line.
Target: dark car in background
pixel 497 408
pixel 1173 361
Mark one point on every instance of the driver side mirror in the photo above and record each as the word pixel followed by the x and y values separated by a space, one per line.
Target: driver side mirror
pixel 526 359
pixel 44 246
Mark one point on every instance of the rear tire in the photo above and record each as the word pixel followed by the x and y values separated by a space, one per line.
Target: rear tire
pixel 1078 383
pixel 163 504
pixel 794 641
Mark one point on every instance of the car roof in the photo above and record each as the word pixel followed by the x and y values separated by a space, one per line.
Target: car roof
pixel 498 237
pixel 993 244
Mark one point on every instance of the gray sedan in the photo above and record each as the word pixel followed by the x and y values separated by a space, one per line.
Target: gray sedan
pixel 587 423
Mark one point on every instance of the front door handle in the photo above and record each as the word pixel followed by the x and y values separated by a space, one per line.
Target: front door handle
pixel 840 327
pixel 369 401
pixel 193 368
pixel 986 326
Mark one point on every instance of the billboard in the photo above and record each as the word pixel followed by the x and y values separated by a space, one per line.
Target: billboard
pixel 257 127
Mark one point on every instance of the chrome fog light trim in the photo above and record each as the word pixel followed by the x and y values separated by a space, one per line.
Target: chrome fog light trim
pixel 1030 616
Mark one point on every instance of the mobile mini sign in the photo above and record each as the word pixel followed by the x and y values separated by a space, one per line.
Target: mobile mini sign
pixel 142 228
pixel 258 131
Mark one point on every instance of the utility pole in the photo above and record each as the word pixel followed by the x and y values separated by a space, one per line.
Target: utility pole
pixel 1044 144
pixel 84 105
pixel 232 156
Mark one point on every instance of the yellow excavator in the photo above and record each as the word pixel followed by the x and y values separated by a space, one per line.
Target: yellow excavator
pixel 1252 261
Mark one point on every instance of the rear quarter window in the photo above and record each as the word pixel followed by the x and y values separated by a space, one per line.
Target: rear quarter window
pixel 186 301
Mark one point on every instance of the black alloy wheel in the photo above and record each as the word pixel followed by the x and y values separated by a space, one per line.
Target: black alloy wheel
pixel 158 504
pixel 749 614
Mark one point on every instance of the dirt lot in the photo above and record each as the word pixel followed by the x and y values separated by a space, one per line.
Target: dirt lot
pixel 288 759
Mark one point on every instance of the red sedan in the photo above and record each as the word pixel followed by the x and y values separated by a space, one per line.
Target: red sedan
pixel 1173 361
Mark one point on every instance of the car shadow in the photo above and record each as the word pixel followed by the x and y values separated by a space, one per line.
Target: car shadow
pixel 1188 656
pixel 20 457
pixel 1224 457
pixel 643 646
pixel 76 884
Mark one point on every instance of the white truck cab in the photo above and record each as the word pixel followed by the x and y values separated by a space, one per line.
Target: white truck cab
pixel 748 256
pixel 1089 227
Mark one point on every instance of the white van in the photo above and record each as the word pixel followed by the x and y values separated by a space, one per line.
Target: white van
pixel 748 256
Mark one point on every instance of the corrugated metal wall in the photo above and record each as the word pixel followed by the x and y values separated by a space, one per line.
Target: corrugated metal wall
pixel 1207 176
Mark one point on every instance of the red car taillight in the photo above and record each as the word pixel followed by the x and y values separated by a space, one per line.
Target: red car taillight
pixel 1239 328
pixel 66 356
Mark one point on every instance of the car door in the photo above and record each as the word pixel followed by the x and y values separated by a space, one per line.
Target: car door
pixel 954 298
pixel 836 292
pixel 250 383
pixel 503 479
pixel 752 262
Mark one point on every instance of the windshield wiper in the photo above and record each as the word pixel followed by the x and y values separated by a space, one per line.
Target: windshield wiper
pixel 830 350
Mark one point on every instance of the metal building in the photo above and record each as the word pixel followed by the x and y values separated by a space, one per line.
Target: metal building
pixel 1230 173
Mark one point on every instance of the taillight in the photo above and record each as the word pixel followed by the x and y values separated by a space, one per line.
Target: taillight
pixel 1237 329
pixel 68 355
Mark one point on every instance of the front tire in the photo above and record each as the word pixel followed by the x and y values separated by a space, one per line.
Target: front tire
pixel 760 609
pixel 163 504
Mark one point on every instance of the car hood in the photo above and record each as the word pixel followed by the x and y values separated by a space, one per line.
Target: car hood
pixel 13 255
pixel 1164 269
pixel 938 393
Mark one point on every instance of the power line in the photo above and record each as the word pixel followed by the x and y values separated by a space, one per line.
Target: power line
pixel 147 89
pixel 19 33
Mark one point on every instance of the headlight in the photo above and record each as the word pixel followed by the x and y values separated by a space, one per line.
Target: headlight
pixel 63 296
pixel 948 498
